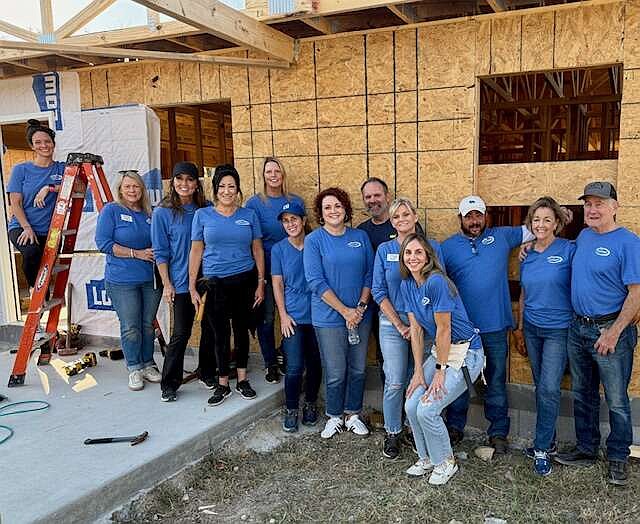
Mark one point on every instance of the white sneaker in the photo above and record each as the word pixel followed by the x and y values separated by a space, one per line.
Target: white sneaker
pixel 135 380
pixel 151 374
pixel 443 472
pixel 40 333
pixel 356 425
pixel 420 468
pixel 333 426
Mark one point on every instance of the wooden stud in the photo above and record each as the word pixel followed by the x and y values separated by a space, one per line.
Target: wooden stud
pixel 79 20
pixel 46 17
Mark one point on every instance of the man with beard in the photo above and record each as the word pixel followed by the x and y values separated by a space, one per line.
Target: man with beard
pixel 477 260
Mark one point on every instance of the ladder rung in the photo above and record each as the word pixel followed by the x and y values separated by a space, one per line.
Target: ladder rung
pixel 65 255
pixel 67 232
pixel 46 338
pixel 50 304
pixel 59 268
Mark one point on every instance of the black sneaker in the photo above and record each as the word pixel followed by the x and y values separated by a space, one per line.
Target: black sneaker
pixel 391 446
pixel 246 391
pixel 219 394
pixel 169 396
pixel 499 444
pixel 309 414
pixel 455 436
pixel 273 375
pixel 530 452
pixel 575 457
pixel 618 473
pixel 290 422
pixel 208 383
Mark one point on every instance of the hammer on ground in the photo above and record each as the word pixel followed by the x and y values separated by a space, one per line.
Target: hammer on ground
pixel 136 439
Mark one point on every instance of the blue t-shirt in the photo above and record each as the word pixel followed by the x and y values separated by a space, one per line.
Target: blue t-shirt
pixel 434 296
pixel 132 229
pixel 479 269
pixel 28 179
pixel 386 273
pixel 603 265
pixel 227 240
pixel 171 240
pixel 268 211
pixel 287 261
pixel 343 264
pixel 546 280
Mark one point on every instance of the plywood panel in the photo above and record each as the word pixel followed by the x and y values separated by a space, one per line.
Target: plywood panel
pixel 634 384
pixel 628 169
pixel 86 98
pixel 537 41
pixel 630 121
pixel 446 55
pixel 234 81
pixel 446 134
pixel 566 180
pixel 347 111
pixel 240 117
pixel 262 144
pixel 242 145
pixel 505 44
pixel 297 82
pixel 406 137
pixel 342 140
pixel 632 33
pixel 344 171
pixel 293 115
pixel 340 67
pixel 442 223
pixel 210 82
pixel 380 138
pixel 190 82
pixel 444 177
pixel 380 109
pixel 407 176
pixel 483 48
pixel 405 62
pixel 631 86
pixel 99 88
pixel 302 178
pixel 260 117
pixel 380 63
pixel 445 104
pixel 295 142
pixel 381 166
pixel 161 82
pixel 407 106
pixel 517 187
pixel 125 84
pixel 629 217
pixel 589 35
pixel 259 82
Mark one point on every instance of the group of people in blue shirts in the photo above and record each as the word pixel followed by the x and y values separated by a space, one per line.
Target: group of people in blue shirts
pixel 440 313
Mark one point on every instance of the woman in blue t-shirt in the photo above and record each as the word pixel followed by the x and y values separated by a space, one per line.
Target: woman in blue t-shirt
pixel 171 240
pixel 338 264
pixel 226 242
pixel 435 307
pixel 293 298
pixel 544 316
pixel 33 189
pixel 267 206
pixel 123 233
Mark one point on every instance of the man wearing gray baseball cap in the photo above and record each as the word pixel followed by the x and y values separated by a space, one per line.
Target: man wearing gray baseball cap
pixel 605 295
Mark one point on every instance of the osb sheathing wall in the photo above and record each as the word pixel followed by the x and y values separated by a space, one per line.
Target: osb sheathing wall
pixel 401 105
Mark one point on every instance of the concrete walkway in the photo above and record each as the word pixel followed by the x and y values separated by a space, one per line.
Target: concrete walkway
pixel 48 475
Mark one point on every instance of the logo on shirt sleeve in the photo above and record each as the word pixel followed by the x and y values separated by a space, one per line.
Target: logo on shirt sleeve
pixel 393 257
pixel 354 244
pixel 488 240
pixel 126 218
pixel 425 301
pixel 242 222
pixel 555 259
pixel 602 252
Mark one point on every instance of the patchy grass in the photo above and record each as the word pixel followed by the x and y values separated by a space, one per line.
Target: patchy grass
pixel 346 479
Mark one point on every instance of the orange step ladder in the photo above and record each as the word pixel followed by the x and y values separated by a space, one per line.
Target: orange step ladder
pixel 82 170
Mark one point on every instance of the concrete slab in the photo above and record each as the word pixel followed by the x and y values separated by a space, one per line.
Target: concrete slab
pixel 49 475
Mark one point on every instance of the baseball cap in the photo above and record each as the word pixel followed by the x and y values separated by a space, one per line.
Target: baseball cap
pixel 472 203
pixel 292 207
pixel 185 168
pixel 599 189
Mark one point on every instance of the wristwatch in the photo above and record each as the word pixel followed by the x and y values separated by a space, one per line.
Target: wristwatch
pixel 440 366
pixel 363 305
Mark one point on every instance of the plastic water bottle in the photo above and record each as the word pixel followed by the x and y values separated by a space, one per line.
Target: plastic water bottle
pixel 354 336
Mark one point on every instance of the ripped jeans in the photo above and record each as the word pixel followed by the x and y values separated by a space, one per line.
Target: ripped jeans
pixel 398 368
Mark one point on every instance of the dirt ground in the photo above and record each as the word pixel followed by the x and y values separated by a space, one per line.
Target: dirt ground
pixel 267 476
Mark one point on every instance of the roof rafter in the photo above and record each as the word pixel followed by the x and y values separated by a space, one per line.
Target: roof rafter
pixel 82 18
pixel 223 21
pixel 498 5
pixel 14 30
pixel 405 13
pixel 320 24
pixel 46 17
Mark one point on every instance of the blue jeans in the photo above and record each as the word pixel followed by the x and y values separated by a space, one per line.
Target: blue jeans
pixel 398 367
pixel 265 327
pixel 429 430
pixel 136 306
pixel 588 369
pixel 344 367
pixel 496 405
pixel 547 350
pixel 301 350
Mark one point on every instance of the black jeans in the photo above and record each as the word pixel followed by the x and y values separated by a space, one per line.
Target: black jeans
pixel 173 367
pixel 31 254
pixel 231 298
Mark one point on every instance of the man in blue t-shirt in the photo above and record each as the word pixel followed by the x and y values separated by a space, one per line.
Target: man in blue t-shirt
pixel 605 295
pixel 477 260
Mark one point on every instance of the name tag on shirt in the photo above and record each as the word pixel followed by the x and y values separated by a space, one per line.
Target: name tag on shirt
pixel 393 257
pixel 126 218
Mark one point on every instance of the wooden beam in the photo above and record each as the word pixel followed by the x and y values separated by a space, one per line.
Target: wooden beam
pixel 404 12
pixel 184 44
pixel 14 30
pixel 334 7
pixel 320 24
pixel 498 5
pixel 25 66
pixel 82 18
pixel 223 21
pixel 46 17
pixel 54 49
pixel 153 19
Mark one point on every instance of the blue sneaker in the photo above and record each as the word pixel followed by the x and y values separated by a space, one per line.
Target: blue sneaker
pixel 531 452
pixel 541 463
pixel 290 422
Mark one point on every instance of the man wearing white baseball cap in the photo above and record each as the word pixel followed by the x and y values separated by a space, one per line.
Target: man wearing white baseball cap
pixel 477 259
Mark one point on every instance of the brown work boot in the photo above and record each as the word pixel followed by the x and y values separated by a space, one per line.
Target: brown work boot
pixel 500 444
